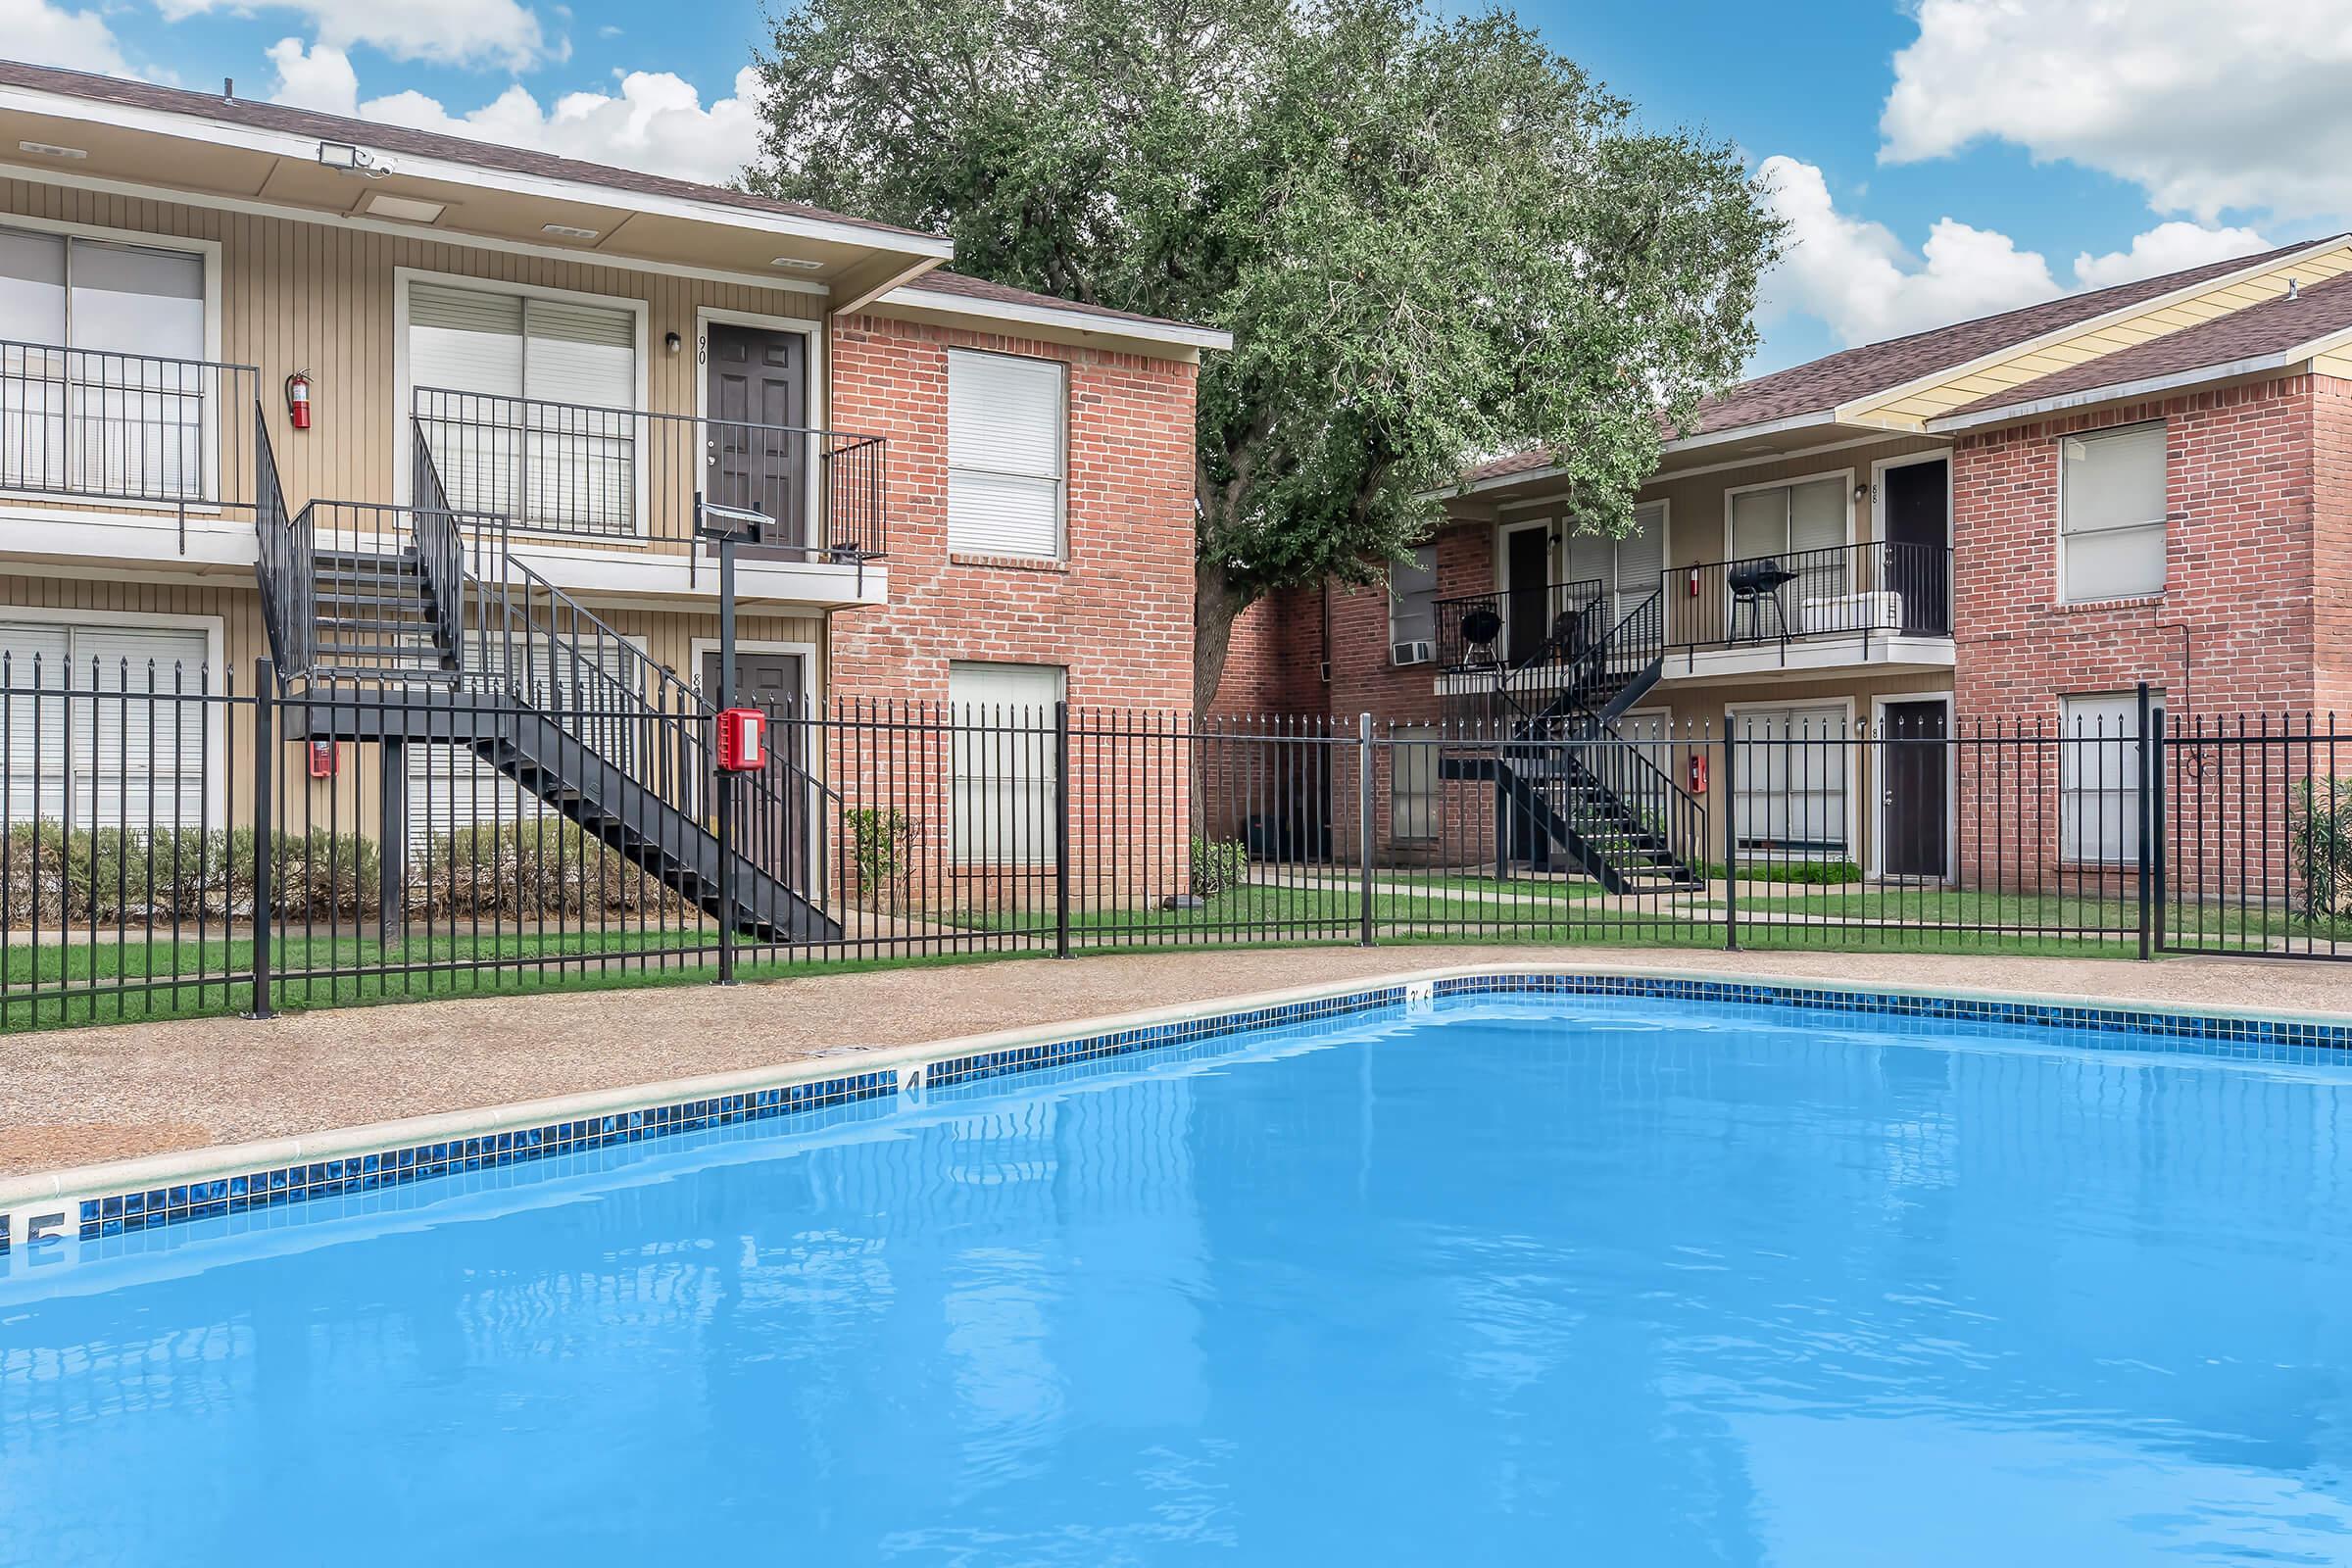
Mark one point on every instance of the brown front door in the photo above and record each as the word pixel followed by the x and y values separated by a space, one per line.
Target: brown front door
pixel 756 450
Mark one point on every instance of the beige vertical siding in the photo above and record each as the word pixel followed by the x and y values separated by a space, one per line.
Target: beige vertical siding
pixel 316 297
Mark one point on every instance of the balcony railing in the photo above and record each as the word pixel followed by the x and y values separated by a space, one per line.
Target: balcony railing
pixel 126 429
pixel 1774 601
pixel 1511 628
pixel 602 473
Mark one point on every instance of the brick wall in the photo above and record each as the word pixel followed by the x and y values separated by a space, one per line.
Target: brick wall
pixel 2233 631
pixel 1115 614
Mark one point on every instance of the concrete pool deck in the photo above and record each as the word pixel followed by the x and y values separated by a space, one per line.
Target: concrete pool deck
pixel 74 1097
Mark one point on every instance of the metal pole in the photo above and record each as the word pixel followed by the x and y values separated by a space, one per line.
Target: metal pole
pixel 1731 839
pixel 1061 828
pixel 2157 834
pixel 2147 804
pixel 392 846
pixel 264 749
pixel 725 782
pixel 1363 824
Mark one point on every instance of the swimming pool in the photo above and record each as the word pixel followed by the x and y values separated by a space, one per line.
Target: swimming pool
pixel 1555 1278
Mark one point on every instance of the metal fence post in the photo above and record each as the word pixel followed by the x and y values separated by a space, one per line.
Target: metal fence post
pixel 2147 805
pixel 2156 831
pixel 1731 839
pixel 1363 825
pixel 1061 828
pixel 265 874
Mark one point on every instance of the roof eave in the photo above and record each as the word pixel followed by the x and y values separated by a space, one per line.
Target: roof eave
pixel 1177 334
pixel 2138 387
pixel 1689 443
pixel 303 146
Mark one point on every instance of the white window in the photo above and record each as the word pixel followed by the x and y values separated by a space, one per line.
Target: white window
pixel 1004 789
pixel 527 404
pixel 1413 783
pixel 1413 596
pixel 102 388
pixel 1626 568
pixel 1794 768
pixel 99 758
pixel 2111 507
pixel 2098 796
pixel 1006 443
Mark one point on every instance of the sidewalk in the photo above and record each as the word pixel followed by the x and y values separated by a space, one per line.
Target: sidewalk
pixel 75 1096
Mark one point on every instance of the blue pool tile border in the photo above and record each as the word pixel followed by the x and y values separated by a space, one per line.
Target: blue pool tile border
pixel 121 1214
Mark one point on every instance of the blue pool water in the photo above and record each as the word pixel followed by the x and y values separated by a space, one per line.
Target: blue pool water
pixel 1546 1280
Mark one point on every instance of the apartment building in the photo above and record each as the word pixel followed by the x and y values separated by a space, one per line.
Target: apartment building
pixel 284 386
pixel 2007 522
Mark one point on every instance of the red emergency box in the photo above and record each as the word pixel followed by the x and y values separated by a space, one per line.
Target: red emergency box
pixel 742 740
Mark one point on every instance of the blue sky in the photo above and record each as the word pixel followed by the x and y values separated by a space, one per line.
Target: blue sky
pixel 1936 159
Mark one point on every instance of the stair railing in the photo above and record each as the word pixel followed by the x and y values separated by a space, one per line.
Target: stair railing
pixel 640 717
pixel 289 586
pixel 440 550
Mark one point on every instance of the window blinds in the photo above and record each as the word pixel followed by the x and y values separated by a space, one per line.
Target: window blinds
pixel 1004 455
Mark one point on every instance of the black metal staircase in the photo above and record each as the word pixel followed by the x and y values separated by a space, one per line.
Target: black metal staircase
pixel 465 645
pixel 1562 771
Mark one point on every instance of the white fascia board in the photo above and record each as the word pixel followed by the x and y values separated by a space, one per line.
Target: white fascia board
pixel 917 297
pixel 625 575
pixel 304 148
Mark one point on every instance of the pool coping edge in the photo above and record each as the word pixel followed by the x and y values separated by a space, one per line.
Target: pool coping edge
pixel 37 1201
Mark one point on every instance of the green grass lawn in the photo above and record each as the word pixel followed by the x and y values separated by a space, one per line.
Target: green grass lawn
pixel 104 982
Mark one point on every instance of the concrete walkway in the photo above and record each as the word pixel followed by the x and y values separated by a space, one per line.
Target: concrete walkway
pixel 76 1096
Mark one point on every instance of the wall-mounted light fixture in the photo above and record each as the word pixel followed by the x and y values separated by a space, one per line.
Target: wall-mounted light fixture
pixel 672 342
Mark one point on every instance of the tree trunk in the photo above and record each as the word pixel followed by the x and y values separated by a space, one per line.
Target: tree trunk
pixel 1218 603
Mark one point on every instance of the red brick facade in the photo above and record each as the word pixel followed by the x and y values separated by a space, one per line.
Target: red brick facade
pixel 2233 630
pixel 1116 613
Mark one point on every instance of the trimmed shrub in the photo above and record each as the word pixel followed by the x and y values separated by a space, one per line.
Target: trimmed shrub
pixel 1218 865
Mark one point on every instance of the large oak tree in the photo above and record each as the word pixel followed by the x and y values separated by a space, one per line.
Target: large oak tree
pixel 1430 238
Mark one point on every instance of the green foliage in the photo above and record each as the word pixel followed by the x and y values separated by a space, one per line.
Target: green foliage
pixel 1815 873
pixel 529 871
pixel 1431 236
pixel 882 850
pixel 1218 865
pixel 545 868
pixel 2320 830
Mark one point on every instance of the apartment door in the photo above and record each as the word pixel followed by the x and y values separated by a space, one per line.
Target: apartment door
pixel 1917 522
pixel 756 450
pixel 780 809
pixel 1526 604
pixel 1913 801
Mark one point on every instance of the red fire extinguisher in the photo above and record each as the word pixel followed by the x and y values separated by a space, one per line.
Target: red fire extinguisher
pixel 1698 772
pixel 298 398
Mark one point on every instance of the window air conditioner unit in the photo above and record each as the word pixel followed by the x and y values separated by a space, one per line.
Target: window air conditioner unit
pixel 1418 652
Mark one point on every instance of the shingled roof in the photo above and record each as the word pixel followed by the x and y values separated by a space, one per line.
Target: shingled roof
pixel 1818 386
pixel 2250 336
pixel 939 281
pixel 418 143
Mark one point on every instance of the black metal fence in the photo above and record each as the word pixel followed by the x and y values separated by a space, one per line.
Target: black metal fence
pixel 178 842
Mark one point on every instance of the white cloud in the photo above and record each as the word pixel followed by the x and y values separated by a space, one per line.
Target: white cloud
pixel 1860 279
pixel 44 34
pixel 457 32
pixel 2166 248
pixel 654 121
pixel 1856 276
pixel 2209 108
